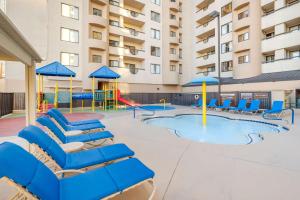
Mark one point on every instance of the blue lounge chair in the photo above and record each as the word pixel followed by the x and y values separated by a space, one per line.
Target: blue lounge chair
pixel 75 160
pixel 200 102
pixel 67 127
pixel 33 179
pixel 225 105
pixel 85 137
pixel 276 109
pixel 75 123
pixel 212 104
pixel 254 107
pixel 241 106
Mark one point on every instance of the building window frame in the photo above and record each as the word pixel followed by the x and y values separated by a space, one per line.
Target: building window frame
pixel 155 68
pixel 69 60
pixel 71 7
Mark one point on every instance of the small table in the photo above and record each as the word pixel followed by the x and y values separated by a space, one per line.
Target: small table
pixel 72 146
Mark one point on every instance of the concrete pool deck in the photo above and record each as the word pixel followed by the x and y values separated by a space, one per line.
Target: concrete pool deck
pixel 194 171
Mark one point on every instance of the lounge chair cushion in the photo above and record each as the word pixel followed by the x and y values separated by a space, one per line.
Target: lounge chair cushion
pixel 90 137
pixel 26 170
pixel 101 155
pixel 102 182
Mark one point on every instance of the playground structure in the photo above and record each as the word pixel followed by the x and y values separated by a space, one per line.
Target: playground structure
pixel 53 69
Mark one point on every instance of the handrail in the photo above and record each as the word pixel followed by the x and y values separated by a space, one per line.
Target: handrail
pixel 278 118
pixel 134 111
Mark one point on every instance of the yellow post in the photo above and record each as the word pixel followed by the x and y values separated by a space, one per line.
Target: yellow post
pixel 105 96
pixel 39 91
pixel 56 95
pixel 116 93
pixel 93 102
pixel 81 105
pixel 204 103
pixel 71 98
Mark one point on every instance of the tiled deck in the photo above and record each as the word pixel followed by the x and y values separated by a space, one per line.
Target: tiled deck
pixel 193 171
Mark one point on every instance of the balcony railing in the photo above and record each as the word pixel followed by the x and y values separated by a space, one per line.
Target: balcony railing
pixel 131 31
pixel 131 12
pixel 288 5
pixel 287 32
pixel 286 58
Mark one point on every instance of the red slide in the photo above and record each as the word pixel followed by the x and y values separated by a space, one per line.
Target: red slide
pixel 126 102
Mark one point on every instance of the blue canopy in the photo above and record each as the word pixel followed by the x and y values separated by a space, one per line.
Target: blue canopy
pixel 104 72
pixel 55 69
pixel 199 81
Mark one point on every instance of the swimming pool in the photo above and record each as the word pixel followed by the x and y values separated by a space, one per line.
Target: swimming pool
pixel 219 129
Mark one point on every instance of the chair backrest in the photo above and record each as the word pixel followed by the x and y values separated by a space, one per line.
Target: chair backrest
pixel 213 102
pixel 242 104
pixel 277 105
pixel 255 104
pixel 200 102
pixel 58 119
pixel 59 114
pixel 46 121
pixel 227 103
pixel 37 136
pixel 24 169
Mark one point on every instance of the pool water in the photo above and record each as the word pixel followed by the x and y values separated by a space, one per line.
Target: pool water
pixel 153 108
pixel 219 130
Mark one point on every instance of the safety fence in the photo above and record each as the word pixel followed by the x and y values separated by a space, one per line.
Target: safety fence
pixel 6 103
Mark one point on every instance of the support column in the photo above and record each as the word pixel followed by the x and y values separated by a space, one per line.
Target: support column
pixel 30 94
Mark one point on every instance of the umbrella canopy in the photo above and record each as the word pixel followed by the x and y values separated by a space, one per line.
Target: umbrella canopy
pixel 199 81
pixel 55 69
pixel 104 72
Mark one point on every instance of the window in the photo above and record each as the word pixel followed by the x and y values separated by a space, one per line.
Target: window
pixel 114 43
pixel 97 35
pixel 180 38
pixel 69 35
pixel 226 28
pixel 115 2
pixel 70 59
pixel 294 28
pixel 173 51
pixel 155 68
pixel 270 35
pixel 114 23
pixel 180 53
pixel 2 69
pixel 114 63
pixel 243 59
pixel 226 47
pixel 96 58
pixel 172 68
pixel 155 34
pixel 180 68
pixel 155 51
pixel 172 34
pixel 97 12
pixel 155 16
pixel 157 2
pixel 243 14
pixel 132 68
pixel 227 66
pixel 225 10
pixel 270 58
pixel 243 37
pixel 69 11
pixel 3 7
pixel 172 16
pixel 294 54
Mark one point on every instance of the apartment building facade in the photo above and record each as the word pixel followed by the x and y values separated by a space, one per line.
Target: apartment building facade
pixel 159 45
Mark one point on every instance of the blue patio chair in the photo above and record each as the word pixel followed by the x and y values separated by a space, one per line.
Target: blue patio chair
pixel 276 109
pixel 33 179
pixel 241 106
pixel 85 137
pixel 225 105
pixel 67 127
pixel 75 160
pixel 254 107
pixel 212 104
pixel 74 123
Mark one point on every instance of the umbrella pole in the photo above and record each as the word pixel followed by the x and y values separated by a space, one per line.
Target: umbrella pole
pixel 39 92
pixel 56 95
pixel 204 103
pixel 71 97
pixel 93 103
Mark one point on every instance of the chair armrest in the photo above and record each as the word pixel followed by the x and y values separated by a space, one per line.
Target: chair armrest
pixel 73 133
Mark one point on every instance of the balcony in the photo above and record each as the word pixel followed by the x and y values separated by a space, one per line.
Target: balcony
pixel 101 2
pixel 97 44
pixel 174 40
pixel 238 4
pixel 174 5
pixel 281 41
pixel 286 64
pixel 281 15
pixel 174 57
pixel 206 27
pixel 265 2
pixel 97 20
pixel 135 35
pixel 126 52
pixel 205 44
pixel 174 23
pixel 205 60
pixel 133 15
pixel 201 14
pixel 171 78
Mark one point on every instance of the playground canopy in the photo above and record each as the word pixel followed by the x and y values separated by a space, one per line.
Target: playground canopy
pixel 105 73
pixel 55 69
